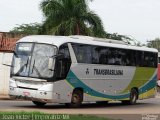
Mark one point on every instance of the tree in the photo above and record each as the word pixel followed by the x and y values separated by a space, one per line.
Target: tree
pixel 154 43
pixel 27 29
pixel 70 17
pixel 127 39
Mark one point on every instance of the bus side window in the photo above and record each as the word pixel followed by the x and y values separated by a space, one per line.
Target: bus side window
pixel 63 62
pixel 139 58
pixel 83 53
pixel 111 56
pixel 115 56
pixel 130 57
pixel 103 55
pixel 153 60
pixel 147 60
pixel 95 57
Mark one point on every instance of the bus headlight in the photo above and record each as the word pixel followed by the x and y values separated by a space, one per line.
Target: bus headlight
pixel 11 88
pixel 12 83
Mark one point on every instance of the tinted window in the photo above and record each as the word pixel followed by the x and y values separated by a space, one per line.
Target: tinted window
pixel 139 58
pixel 146 59
pixel 103 55
pixel 150 59
pixel 83 53
pixel 116 56
pixel 113 56
pixel 130 56
pixel 63 62
pixel 95 55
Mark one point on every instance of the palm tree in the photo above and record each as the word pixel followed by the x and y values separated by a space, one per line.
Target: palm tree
pixel 70 17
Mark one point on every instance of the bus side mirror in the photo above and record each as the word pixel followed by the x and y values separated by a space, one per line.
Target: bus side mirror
pixel 7 59
pixel 51 62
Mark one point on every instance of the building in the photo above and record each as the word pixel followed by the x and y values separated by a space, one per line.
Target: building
pixel 7 44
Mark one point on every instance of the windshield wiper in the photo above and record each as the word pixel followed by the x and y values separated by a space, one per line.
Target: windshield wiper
pixel 21 69
pixel 35 68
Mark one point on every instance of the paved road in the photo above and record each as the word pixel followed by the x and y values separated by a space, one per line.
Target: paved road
pixel 149 106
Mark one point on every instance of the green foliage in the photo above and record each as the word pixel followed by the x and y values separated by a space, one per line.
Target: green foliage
pixel 114 36
pixel 154 43
pixel 27 29
pixel 127 39
pixel 70 17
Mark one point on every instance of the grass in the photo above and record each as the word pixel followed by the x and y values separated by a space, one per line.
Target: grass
pixel 44 116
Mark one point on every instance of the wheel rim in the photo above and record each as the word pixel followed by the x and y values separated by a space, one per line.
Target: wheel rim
pixel 76 99
pixel 134 97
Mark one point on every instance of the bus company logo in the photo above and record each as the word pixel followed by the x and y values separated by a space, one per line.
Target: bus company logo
pixel 87 71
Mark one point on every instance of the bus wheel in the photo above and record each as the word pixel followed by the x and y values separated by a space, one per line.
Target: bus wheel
pixel 133 98
pixel 39 104
pixel 77 98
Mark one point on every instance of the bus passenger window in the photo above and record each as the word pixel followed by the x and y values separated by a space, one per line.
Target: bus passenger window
pixel 103 55
pixel 111 60
pixel 95 58
pixel 112 56
pixel 130 58
pixel 139 58
pixel 83 53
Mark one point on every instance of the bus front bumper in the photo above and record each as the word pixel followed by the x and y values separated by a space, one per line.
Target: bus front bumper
pixel 33 95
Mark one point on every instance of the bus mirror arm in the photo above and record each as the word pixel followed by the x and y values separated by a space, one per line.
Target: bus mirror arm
pixel 15 54
pixel 58 56
pixel 7 65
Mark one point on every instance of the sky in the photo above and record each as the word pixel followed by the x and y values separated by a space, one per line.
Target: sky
pixel 137 18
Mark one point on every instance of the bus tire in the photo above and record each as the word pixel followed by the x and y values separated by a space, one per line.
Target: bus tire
pixel 133 98
pixel 39 104
pixel 76 100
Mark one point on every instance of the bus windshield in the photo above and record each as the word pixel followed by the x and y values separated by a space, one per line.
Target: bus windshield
pixel 34 60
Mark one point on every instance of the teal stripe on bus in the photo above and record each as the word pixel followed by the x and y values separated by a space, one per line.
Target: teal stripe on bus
pixel 75 82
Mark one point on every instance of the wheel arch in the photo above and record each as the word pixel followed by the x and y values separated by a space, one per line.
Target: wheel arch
pixel 80 89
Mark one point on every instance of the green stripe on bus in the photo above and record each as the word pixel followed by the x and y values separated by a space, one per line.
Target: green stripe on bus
pixel 142 76
pixel 73 80
pixel 76 83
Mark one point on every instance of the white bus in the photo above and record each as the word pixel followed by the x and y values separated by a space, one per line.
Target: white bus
pixel 75 69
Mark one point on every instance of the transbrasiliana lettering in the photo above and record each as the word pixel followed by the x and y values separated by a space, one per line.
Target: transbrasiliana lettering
pixel 107 72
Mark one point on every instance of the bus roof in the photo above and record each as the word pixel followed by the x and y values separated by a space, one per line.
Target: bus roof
pixel 59 40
